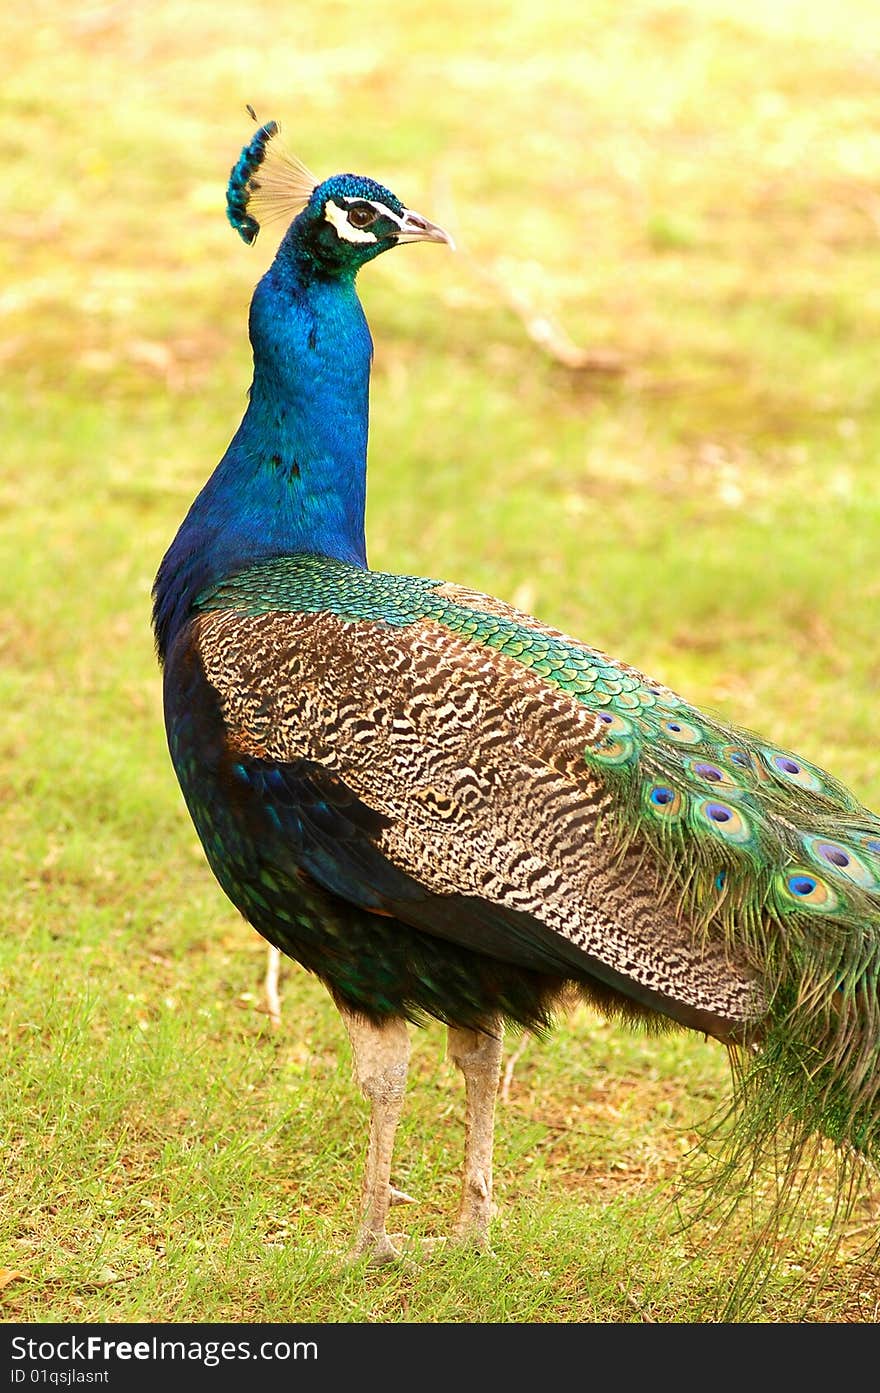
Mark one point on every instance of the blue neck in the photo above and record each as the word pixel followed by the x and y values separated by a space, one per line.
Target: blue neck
pixel 294 476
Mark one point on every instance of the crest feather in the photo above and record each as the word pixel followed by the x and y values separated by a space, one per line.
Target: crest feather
pixel 267 182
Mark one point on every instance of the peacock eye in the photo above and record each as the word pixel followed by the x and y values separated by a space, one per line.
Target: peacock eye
pixel 361 217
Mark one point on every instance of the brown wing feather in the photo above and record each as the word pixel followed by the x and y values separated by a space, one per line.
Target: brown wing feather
pixel 478 765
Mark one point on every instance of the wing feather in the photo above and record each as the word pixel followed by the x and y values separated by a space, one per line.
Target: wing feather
pixel 475 766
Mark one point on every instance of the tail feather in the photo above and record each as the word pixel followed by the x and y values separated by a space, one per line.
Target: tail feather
pixel 766 849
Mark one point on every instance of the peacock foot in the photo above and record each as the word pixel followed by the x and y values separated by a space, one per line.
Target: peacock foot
pixel 377 1248
pixel 475 1213
pixel 476 1239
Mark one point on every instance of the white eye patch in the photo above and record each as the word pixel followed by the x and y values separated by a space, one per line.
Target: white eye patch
pixel 338 218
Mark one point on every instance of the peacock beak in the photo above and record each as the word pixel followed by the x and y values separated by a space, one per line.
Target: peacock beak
pixel 415 228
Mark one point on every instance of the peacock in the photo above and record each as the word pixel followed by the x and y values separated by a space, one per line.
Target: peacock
pixel 446 809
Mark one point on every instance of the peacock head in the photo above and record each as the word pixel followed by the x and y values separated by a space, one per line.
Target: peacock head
pixel 338 224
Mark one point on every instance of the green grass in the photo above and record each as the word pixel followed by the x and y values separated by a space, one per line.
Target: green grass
pixel 693 186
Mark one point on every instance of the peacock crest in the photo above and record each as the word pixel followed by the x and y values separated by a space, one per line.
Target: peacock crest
pixel 266 183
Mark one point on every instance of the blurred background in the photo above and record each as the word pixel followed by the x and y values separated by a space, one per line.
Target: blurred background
pixel 642 400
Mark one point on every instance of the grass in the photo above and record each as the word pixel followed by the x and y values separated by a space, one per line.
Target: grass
pixel 693 187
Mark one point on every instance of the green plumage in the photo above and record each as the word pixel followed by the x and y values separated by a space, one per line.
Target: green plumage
pixel 319 585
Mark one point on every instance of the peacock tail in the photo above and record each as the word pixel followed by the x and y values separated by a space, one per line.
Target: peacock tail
pixel 747 878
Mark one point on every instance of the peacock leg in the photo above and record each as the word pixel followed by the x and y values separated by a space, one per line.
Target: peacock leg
pixel 270 984
pixel 381 1058
pixel 478 1056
